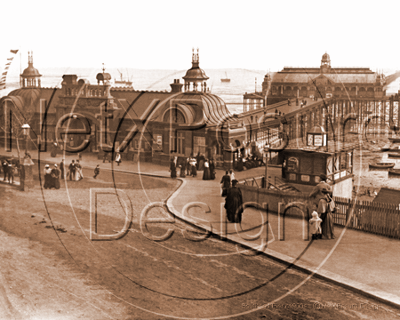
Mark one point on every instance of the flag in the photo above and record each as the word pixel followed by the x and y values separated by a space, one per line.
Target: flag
pixel 10 59
pixel 4 73
pixel 14 51
pixel 7 64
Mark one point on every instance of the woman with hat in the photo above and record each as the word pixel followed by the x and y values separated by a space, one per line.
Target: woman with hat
pixel 55 176
pixel 316 194
pixel 325 213
pixel 47 176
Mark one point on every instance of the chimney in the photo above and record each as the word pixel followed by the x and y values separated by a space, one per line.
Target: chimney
pixel 176 86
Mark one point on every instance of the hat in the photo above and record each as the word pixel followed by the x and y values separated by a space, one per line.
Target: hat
pixel 47 166
pixel 55 166
pixel 315 214
pixel 323 177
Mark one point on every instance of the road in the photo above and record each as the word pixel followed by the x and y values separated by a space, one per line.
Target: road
pixel 50 269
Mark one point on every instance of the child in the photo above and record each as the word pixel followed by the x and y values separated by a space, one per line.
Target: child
pixel 96 171
pixel 315 223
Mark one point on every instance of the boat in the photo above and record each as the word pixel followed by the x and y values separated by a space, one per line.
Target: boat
pixel 394 155
pixel 226 79
pixel 394 172
pixel 386 147
pixel 122 81
pixel 394 140
pixel 382 165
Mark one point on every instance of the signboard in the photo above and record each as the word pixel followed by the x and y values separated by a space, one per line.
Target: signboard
pixel 159 139
pixel 343 174
pixel 318 140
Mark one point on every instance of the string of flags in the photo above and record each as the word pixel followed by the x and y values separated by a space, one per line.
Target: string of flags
pixel 5 71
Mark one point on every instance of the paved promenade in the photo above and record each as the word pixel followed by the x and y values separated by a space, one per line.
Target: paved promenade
pixel 365 262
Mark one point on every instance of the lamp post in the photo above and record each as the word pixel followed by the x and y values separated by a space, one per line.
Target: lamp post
pixel 266 149
pixel 25 131
pixel 26 177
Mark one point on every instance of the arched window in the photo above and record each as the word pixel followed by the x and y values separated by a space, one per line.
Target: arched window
pixel 370 89
pixel 176 116
pixel 362 89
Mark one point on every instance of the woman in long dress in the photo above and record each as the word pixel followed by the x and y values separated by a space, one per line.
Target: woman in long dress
pixel 233 204
pixel 172 168
pixel 212 169
pixel 78 171
pixel 183 168
pixel 326 215
pixel 206 173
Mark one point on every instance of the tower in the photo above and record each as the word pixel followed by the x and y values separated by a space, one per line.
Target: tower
pixel 30 78
pixel 325 63
pixel 195 78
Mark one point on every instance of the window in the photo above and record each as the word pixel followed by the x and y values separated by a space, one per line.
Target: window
pixel 177 143
pixel 199 145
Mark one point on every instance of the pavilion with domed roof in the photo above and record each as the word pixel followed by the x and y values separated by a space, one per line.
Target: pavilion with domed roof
pixel 323 82
pixel 149 125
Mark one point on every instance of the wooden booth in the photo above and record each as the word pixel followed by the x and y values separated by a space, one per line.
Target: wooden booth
pixel 302 168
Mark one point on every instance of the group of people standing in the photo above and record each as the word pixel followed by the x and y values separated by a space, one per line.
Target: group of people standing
pixel 189 167
pixel 322 208
pixel 51 177
pixel 9 169
pixel 74 171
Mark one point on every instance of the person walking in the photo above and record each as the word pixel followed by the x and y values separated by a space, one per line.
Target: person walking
pixel 188 167
pixel 193 167
pixel 212 169
pixel 78 171
pixel 172 168
pixel 71 171
pixel 10 172
pixel 232 174
pixel 233 204
pixel 96 171
pixel 5 170
pixel 226 183
pixel 47 176
pixel 206 172
pixel 55 177
pixel 62 169
pixel 325 213
pixel 183 168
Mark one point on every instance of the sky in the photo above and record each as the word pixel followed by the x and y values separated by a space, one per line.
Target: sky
pixel 150 34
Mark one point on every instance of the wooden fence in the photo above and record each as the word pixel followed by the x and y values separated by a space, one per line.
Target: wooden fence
pixel 378 218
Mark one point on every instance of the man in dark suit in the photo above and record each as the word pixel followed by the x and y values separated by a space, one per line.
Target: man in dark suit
pixel 226 183
pixel 62 168
pixel 72 170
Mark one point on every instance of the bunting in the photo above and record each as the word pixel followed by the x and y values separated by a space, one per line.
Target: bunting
pixel 7 66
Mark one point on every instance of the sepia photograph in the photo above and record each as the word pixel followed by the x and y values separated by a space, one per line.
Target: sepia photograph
pixel 199 160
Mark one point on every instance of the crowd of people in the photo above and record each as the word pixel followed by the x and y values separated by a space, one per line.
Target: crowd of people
pixel 190 166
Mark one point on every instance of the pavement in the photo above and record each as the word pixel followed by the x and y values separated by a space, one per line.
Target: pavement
pixel 363 262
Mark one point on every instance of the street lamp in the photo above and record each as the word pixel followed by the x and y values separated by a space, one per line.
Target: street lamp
pixel 25 131
pixel 26 177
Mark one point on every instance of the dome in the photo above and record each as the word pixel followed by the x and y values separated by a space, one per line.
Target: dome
pixel 30 72
pixel 29 95
pixel 195 73
pixel 213 107
pixel 326 58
